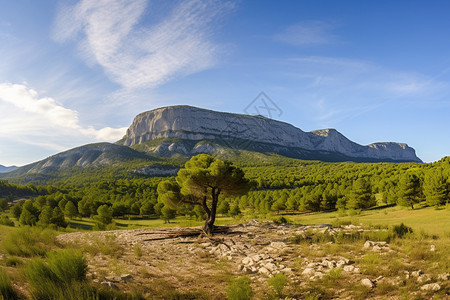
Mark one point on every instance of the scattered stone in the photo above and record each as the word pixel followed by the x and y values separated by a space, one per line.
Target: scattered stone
pixel 423 278
pixel 270 266
pixel 264 271
pixel 109 284
pixel 247 261
pixel 416 273
pixel 367 282
pixel 205 245
pixel 443 276
pixel 308 271
pixel 349 268
pixel 375 246
pixel 431 287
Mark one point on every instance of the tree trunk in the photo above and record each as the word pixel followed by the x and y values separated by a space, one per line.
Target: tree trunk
pixel 208 228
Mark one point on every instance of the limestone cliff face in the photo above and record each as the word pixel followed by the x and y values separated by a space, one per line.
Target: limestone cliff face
pixel 196 124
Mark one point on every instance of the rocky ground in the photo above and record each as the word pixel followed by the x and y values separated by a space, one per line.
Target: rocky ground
pixel 182 260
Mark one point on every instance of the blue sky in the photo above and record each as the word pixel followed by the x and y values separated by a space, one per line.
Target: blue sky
pixel 77 72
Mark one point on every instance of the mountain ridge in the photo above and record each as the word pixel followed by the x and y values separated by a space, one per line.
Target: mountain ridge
pixel 197 124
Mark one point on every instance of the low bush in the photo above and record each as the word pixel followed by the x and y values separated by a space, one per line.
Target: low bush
pixel 278 282
pixel 401 230
pixel 240 289
pixel 5 220
pixel 281 220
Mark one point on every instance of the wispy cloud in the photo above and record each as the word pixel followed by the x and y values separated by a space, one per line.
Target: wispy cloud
pixel 26 115
pixel 340 88
pixel 308 34
pixel 137 55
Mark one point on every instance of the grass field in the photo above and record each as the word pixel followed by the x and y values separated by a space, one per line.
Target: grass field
pixel 428 220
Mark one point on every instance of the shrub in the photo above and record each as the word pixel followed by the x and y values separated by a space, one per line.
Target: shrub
pixel 6 290
pixel 5 220
pixel 278 282
pixel 240 289
pixel 30 241
pixel 401 230
pixel 281 220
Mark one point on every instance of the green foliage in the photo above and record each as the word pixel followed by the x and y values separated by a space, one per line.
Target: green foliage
pixel 29 214
pixel 3 204
pixel 16 210
pixel 104 214
pixel 401 230
pixel 224 207
pixel 235 210
pixel 410 190
pixel 70 210
pixel 167 213
pixel 5 220
pixel 7 292
pixel 240 289
pixel 281 220
pixel 201 182
pixel 361 195
pixel 30 241
pixel 278 282
pixel 435 188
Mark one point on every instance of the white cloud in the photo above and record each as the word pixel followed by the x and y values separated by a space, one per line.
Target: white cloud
pixel 307 33
pixel 137 55
pixel 26 116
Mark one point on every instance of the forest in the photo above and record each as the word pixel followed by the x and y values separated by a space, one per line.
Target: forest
pixel 279 186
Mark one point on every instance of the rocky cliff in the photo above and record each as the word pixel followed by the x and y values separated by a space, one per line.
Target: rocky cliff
pixel 183 129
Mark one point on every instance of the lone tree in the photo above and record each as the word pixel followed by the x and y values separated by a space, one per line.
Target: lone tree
pixel 201 182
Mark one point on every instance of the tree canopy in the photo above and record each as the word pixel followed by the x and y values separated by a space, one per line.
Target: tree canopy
pixel 201 182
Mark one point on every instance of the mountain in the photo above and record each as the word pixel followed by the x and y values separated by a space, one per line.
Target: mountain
pixel 87 160
pixel 190 130
pixel 4 169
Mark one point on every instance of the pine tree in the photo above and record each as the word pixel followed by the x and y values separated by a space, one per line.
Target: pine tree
pixel 361 195
pixel 410 190
pixel 435 188
pixel 70 210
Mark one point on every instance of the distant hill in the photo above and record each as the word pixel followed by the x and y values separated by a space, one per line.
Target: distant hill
pixel 188 130
pixel 4 169
pixel 86 161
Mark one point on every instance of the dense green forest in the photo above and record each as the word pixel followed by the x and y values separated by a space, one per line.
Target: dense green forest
pixel 279 185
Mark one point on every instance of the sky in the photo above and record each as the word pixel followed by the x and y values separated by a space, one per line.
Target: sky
pixel 77 72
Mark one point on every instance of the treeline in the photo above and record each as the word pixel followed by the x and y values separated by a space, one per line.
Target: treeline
pixel 292 186
pixel 102 200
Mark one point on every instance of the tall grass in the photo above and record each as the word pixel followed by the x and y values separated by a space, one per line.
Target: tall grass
pixel 30 241
pixel 63 274
pixel 7 292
